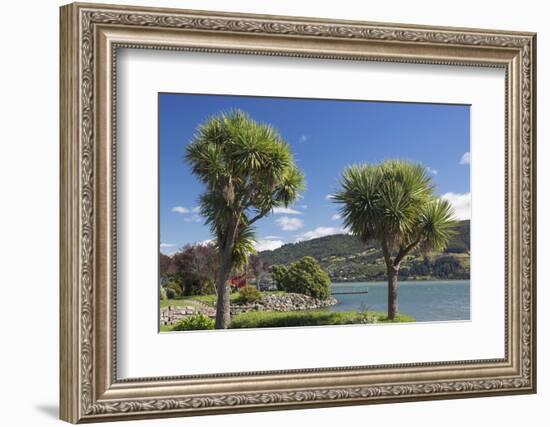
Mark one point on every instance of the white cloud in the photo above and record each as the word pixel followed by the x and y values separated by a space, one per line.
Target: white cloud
pixel 268 244
pixel 289 224
pixel 167 245
pixel 206 242
pixel 465 159
pixel 328 197
pixel 193 218
pixel 432 171
pixel 271 237
pixel 169 252
pixel 287 211
pixel 320 232
pixel 303 206
pixel 461 204
pixel 336 217
pixel 303 138
pixel 180 209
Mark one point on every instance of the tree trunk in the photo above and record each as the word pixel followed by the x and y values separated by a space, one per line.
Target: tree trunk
pixel 393 307
pixel 226 244
pixel 223 314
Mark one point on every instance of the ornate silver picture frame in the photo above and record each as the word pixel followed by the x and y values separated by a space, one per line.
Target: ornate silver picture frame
pixel 91 34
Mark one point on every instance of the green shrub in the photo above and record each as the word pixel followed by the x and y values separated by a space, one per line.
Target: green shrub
pixel 278 273
pixel 175 286
pixel 249 294
pixel 163 295
pixel 197 322
pixel 198 285
pixel 368 317
pixel 170 293
pixel 304 277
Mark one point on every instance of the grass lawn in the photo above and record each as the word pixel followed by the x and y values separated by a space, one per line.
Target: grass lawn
pixel 274 319
pixel 278 319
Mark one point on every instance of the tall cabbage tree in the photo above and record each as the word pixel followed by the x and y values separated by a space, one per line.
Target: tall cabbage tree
pixel 247 169
pixel 394 203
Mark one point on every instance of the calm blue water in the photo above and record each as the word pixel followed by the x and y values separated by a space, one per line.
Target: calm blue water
pixel 424 300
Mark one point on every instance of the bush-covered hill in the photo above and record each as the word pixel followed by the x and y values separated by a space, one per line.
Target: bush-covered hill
pixel 347 259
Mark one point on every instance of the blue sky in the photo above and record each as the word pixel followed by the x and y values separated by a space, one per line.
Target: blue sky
pixel 325 137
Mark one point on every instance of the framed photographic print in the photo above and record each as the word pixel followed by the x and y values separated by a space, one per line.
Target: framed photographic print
pixel 265 212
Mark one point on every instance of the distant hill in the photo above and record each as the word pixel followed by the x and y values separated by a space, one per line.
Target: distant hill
pixel 461 242
pixel 348 259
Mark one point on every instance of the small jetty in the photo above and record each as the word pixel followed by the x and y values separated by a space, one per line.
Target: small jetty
pixel 350 292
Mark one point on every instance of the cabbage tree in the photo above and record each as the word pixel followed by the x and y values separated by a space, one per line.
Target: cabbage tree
pixel 394 203
pixel 247 169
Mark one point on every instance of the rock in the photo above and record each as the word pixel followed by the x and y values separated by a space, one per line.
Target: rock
pixel 287 302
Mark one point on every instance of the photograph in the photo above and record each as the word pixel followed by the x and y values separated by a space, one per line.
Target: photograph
pixel 298 212
pixel 283 200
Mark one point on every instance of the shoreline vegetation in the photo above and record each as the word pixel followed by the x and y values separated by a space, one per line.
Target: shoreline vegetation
pixel 257 317
pixel 303 319
pixel 313 318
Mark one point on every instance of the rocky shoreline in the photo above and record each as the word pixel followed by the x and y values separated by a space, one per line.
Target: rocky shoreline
pixel 285 302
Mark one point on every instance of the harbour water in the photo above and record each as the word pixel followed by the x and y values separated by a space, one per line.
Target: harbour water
pixel 424 300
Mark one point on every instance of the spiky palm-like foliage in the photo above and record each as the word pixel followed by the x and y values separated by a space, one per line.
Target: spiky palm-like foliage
pixel 394 202
pixel 247 169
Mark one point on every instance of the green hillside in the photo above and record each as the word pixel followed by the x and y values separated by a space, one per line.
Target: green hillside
pixel 347 259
